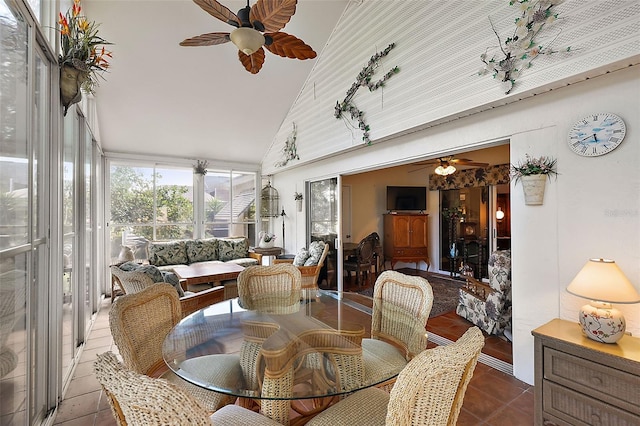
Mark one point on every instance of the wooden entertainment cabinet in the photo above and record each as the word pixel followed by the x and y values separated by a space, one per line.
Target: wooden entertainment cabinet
pixel 406 238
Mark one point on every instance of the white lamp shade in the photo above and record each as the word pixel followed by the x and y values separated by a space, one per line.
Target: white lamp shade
pixel 602 280
pixel 247 39
pixel 445 171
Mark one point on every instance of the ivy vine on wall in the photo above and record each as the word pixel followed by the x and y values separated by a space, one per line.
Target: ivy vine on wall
pixel 518 51
pixel 290 151
pixel 364 79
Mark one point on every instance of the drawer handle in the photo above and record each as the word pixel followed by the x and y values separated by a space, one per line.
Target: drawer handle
pixel 595 380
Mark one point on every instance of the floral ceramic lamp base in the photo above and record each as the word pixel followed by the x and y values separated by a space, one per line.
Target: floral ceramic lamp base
pixel 602 323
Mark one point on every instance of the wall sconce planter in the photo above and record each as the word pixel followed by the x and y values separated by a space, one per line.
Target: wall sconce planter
pixel 533 172
pixel 298 197
pixel 533 187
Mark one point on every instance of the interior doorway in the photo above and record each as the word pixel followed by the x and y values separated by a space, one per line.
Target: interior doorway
pixel 465 231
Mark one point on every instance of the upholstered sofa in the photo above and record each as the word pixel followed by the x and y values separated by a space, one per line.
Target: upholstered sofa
pixel 167 255
pixel 489 306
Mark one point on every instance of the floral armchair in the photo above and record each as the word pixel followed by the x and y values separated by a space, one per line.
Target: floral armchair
pixel 489 306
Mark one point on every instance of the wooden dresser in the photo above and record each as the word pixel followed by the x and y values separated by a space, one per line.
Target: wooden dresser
pixel 579 381
pixel 406 238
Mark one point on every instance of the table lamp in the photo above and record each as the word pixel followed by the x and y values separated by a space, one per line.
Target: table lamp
pixel 602 281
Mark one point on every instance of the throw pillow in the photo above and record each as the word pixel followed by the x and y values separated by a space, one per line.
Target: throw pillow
pixel 202 250
pixel 168 253
pixel 232 248
pixel 315 252
pixel 301 257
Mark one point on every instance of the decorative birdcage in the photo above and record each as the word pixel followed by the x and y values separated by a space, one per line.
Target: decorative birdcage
pixel 269 201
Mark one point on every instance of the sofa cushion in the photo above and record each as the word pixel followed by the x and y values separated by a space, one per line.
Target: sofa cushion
pixel 301 257
pixel 315 253
pixel 202 250
pixel 168 253
pixel 232 248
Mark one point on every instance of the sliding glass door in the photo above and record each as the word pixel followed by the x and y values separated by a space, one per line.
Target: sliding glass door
pixel 323 224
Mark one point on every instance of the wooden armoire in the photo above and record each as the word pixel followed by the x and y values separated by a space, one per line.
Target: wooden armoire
pixel 406 238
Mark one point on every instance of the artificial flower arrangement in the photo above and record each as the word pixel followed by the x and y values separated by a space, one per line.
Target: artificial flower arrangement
pixel 297 196
pixel 519 50
pixel 534 166
pixel 83 55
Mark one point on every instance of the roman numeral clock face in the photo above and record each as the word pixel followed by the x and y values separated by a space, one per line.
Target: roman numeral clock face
pixel 596 134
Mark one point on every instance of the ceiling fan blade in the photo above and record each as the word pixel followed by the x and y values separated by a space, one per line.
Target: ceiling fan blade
pixel 252 63
pixel 273 14
pixel 289 46
pixel 215 9
pixel 209 39
pixel 467 162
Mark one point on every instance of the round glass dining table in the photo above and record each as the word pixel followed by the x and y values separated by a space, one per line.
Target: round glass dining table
pixel 312 350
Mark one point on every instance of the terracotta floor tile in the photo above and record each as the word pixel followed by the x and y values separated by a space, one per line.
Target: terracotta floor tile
pixel 79 406
pixel 480 403
pixel 510 416
pixel 525 403
pixel 467 419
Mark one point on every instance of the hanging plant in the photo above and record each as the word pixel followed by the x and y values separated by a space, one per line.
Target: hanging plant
pixel 201 167
pixel 518 51
pixel 82 59
pixel 364 79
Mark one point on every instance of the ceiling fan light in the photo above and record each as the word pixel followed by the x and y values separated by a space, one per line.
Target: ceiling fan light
pixel 445 171
pixel 247 39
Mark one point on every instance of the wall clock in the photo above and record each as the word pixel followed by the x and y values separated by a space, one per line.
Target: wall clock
pixel 596 134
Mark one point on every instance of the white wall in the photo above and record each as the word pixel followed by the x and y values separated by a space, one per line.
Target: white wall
pixel 591 210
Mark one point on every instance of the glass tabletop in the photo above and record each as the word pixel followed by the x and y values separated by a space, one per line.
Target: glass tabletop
pixel 313 351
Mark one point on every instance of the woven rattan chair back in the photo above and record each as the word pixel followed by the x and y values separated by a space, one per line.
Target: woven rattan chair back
pixel 138 400
pixel 139 324
pixel 431 388
pixel 401 308
pixel 131 281
pixel 272 289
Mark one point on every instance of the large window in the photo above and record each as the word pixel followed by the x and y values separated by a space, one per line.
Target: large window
pixel 157 203
pixel 229 204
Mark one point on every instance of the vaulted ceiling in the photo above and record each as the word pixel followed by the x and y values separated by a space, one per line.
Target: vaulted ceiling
pixel 196 102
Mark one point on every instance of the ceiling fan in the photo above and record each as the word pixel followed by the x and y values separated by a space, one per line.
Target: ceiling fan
pixel 446 164
pixel 256 26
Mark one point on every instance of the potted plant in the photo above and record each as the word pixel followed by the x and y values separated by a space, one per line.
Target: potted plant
pixel 533 172
pixel 298 197
pixel 81 57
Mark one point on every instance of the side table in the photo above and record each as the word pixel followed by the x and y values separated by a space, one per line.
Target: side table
pixel 581 381
pixel 268 253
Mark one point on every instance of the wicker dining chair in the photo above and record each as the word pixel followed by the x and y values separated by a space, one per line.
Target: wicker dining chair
pixel 139 400
pixel 140 322
pixel 272 289
pixel 401 307
pixel 429 391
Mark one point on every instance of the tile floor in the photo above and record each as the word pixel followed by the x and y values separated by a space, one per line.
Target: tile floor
pixel 493 398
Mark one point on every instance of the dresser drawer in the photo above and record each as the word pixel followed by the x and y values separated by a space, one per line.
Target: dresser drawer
pixel 408 252
pixel 597 380
pixel 575 408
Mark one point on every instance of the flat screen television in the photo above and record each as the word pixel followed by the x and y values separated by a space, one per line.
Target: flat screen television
pixel 406 198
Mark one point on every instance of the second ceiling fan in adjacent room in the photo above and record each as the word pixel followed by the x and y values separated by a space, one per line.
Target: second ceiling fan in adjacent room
pixel 446 165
